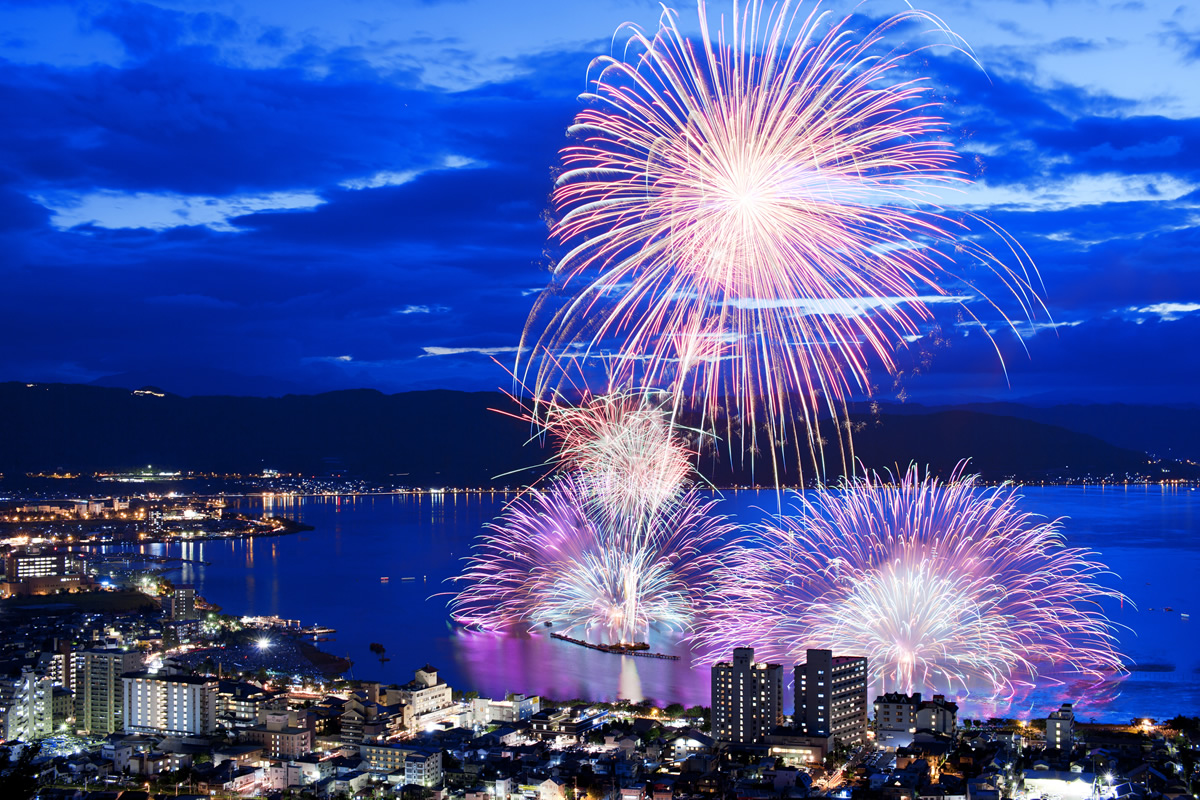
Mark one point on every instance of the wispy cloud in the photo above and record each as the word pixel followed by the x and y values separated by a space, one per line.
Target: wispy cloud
pixel 848 307
pixel 1074 191
pixel 117 210
pixel 423 309
pixel 1166 312
pixel 458 351
pixel 330 359
pixel 400 177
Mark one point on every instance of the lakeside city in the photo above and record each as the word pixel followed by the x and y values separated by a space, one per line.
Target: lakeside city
pixel 605 400
pixel 142 683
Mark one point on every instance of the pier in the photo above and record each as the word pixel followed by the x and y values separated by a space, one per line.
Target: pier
pixel 640 649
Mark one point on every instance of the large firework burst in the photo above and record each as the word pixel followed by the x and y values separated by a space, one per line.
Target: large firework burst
pixel 752 217
pixel 940 585
pixel 556 557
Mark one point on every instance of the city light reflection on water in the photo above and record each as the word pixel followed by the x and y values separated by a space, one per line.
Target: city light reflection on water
pixel 333 575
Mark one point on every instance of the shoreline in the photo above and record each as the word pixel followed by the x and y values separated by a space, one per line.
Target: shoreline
pixel 289 526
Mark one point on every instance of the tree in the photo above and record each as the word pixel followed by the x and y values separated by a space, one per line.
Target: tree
pixel 19 779
pixel 674 710
pixel 1183 724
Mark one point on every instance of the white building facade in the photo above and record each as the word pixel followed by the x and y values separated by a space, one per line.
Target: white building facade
pixel 175 705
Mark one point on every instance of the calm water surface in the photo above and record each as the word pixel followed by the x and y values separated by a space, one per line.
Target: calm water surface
pixel 1150 536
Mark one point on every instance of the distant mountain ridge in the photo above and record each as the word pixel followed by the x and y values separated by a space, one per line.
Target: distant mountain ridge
pixel 1168 431
pixel 452 438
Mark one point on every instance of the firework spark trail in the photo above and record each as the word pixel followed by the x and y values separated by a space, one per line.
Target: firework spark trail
pixel 941 585
pixel 554 557
pixel 753 218
pixel 623 448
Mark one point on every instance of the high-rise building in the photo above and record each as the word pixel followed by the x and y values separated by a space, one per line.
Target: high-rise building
pixel 831 696
pixel 181 602
pixel 174 705
pixel 1060 728
pixel 26 706
pixel 747 698
pixel 57 664
pixel 98 688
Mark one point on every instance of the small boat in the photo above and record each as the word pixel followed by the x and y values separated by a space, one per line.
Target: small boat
pixel 383 579
pixel 410 578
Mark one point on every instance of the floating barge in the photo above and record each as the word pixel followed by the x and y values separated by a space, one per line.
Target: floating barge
pixel 636 649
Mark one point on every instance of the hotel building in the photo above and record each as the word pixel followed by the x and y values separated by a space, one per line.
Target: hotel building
pixel 747 698
pixel 831 696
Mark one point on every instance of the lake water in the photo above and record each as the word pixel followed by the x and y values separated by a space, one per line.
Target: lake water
pixel 1150 536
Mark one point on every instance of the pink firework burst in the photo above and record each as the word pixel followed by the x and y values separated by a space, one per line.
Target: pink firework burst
pixel 753 218
pixel 940 585
pixel 554 556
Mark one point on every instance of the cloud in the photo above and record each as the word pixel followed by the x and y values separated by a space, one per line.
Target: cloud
pixel 394 178
pixel 423 309
pixel 175 154
pixel 158 212
pixel 1073 191
pixel 456 351
pixel 1167 312
pixel 848 307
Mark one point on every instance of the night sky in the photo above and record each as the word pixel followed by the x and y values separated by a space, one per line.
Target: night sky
pixel 267 196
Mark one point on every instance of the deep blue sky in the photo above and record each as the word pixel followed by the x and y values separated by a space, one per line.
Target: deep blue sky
pixel 268 195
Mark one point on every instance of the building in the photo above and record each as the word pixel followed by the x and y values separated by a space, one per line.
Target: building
pixel 62 707
pixel 421 765
pixel 425 694
pixel 747 698
pixel 172 705
pixel 239 703
pixel 831 696
pixel 423 768
pixel 33 572
pixel 280 734
pixel 22 565
pixel 574 722
pixel 363 721
pixel 797 750
pixel 26 706
pixel 513 708
pixel 180 604
pixel 896 711
pixel 56 664
pixel 99 693
pixel 938 716
pixel 1060 728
